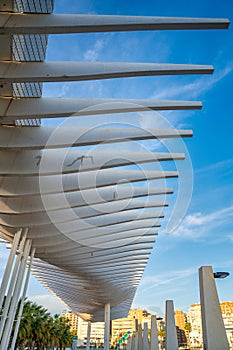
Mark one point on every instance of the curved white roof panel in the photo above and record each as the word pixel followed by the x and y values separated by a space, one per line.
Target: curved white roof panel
pixel 92 207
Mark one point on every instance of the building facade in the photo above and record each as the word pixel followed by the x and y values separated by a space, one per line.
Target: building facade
pixel 97 332
pixel 73 321
pixel 194 317
pixel 182 333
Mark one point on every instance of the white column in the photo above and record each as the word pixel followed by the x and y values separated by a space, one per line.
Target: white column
pixel 22 301
pixel 7 272
pixel 145 344
pixel 12 283
pixel 171 335
pixel 154 342
pixel 214 333
pixel 135 341
pixel 106 326
pixel 15 298
pixel 140 345
pixel 129 344
pixel 88 335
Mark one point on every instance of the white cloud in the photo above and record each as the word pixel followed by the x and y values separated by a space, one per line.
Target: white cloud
pixel 93 54
pixel 53 305
pixel 195 88
pixel 152 282
pixel 197 224
pixel 65 89
pixel 215 166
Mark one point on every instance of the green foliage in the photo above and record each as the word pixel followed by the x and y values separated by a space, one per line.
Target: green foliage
pixel 39 329
pixel 161 333
pixel 188 327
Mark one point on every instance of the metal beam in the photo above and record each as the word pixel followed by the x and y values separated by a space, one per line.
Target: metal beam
pixel 31 204
pixel 61 137
pixel 72 228
pixel 53 162
pixel 12 72
pixel 30 185
pixel 49 244
pixel 21 108
pixel 60 24
pixel 57 216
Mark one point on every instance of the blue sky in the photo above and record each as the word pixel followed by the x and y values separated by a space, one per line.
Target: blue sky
pixel 205 236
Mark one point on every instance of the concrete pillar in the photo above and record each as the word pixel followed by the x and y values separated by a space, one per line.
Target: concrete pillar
pixel 88 335
pixel 129 344
pixel 140 343
pixel 22 301
pixel 171 335
pixel 145 343
pixel 154 342
pixel 7 272
pixel 106 326
pixel 214 333
pixel 134 345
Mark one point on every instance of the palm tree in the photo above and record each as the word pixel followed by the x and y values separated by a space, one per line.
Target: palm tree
pixel 62 335
pixel 38 328
pixel 31 325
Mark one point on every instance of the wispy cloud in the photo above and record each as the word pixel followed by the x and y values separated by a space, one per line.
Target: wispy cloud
pixel 151 282
pixel 195 88
pixel 215 166
pixel 93 53
pixel 49 302
pixel 65 88
pixel 198 224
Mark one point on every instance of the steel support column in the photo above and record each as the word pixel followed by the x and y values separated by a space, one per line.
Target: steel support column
pixel 12 282
pixel 22 301
pixel 15 298
pixel 106 326
pixel 88 335
pixel 8 268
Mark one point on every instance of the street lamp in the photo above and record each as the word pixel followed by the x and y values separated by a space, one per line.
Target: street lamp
pixel 221 274
pixel 214 333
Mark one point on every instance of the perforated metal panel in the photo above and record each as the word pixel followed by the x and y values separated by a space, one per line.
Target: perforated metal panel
pixel 30 47
pixel 34 6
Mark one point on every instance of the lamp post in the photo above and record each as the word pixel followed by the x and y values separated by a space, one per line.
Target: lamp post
pixel 214 333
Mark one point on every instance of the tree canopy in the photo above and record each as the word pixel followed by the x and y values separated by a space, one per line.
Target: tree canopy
pixel 38 328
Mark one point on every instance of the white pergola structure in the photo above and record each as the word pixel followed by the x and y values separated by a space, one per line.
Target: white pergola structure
pixel 59 204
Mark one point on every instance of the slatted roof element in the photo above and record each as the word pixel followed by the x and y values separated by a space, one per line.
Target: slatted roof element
pixel 93 214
